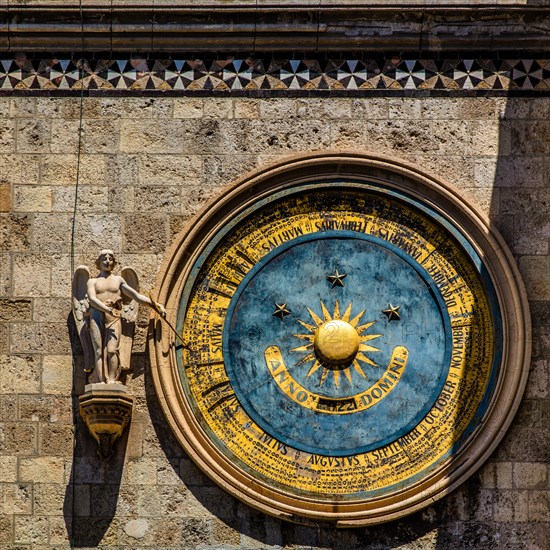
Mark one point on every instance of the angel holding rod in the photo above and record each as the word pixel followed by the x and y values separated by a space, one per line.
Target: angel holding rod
pixel 105 309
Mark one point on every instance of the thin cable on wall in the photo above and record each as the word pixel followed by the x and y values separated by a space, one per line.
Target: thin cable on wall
pixel 80 65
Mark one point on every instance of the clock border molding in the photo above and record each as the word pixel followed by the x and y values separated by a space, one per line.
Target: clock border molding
pixel 402 177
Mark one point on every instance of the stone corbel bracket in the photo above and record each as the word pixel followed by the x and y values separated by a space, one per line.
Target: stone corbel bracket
pixel 107 410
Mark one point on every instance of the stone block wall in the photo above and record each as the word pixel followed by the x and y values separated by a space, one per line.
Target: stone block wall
pixel 145 166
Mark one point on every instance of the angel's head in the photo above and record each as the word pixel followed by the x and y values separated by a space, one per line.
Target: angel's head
pixel 106 260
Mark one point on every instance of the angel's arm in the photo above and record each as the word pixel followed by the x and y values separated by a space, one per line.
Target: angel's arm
pixel 140 298
pixel 94 302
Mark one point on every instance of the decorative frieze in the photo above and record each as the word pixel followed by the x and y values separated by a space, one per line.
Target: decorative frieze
pixel 255 76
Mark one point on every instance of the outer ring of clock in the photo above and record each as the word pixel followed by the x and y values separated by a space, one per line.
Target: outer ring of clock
pixel 348 172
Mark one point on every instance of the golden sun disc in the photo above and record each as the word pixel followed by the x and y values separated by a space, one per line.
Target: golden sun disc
pixel 336 343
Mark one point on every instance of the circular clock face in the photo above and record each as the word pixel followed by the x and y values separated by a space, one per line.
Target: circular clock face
pixel 343 346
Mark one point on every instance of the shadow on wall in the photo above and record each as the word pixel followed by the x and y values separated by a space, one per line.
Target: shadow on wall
pixel 477 515
pixel 488 511
pixel 93 482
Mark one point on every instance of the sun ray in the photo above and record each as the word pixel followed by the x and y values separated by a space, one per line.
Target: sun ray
pixel 314 368
pixel 326 314
pixel 315 317
pixel 364 347
pixel 309 337
pixel 356 319
pixel 347 313
pixel 367 337
pixel 336 314
pixel 308 347
pixel 309 327
pixel 317 363
pixel 364 327
pixel 358 368
pixel 347 372
pixel 307 359
pixel 365 359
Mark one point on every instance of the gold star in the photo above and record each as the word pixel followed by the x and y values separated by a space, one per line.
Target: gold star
pixel 392 312
pixel 337 279
pixel 281 311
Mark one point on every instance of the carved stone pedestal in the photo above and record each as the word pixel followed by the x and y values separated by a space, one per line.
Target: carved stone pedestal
pixel 107 410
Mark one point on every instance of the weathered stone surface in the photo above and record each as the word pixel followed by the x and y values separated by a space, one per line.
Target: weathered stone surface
pixel 165 170
pixel 31 530
pixel 18 438
pixel 64 136
pixel 5 197
pixel 18 498
pixel 45 408
pixel 539 507
pixel 19 374
pixel 31 274
pixel 7 136
pixel 55 439
pixel 42 470
pixel 33 136
pixel 6 529
pixel 153 137
pixel 172 500
pixel 147 165
pixel 57 107
pixel 61 276
pixel 19 169
pixel 219 107
pixel 39 338
pixel 14 232
pixel 530 475
pixel 15 310
pixel 51 233
pixel 246 108
pixel 4 338
pixel 123 169
pixel 219 171
pixel 536 274
pixel 142 471
pixel 94 231
pixel 337 109
pixel 145 233
pixel 22 107
pixel 158 199
pixel 32 198
pixel 523 140
pixel 48 499
pixel 8 469
pixel 100 136
pixel 188 107
pixel 93 199
pixel 57 376
pixel 59 169
pixel 168 532
pixel 121 199
pixel 136 528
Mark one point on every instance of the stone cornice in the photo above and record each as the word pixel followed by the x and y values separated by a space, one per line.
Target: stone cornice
pixel 275 26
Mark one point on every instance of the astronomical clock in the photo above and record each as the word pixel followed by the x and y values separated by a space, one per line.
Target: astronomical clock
pixel 353 340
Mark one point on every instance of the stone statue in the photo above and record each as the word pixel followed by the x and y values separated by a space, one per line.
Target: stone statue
pixel 105 309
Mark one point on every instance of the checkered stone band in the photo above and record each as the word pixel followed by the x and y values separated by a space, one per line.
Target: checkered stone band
pixel 134 75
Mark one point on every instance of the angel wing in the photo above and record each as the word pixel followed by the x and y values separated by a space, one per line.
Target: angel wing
pixel 80 313
pixel 129 318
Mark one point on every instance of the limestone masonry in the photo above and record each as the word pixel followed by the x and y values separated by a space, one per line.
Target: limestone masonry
pixel 84 170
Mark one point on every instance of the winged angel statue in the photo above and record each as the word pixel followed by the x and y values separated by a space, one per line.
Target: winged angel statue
pixel 105 309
